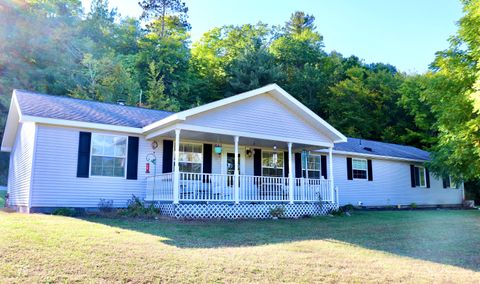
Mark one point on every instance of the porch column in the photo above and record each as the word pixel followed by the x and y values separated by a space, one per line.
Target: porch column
pixel 176 170
pixel 330 162
pixel 290 173
pixel 236 175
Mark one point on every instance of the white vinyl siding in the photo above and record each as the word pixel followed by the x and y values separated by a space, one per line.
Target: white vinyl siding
pixel 55 182
pixel 21 163
pixel 263 115
pixel 390 187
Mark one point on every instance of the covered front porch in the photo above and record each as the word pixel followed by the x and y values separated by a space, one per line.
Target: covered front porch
pixel 249 170
pixel 239 156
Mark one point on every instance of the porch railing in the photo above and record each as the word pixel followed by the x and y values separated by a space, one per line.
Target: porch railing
pixel 220 187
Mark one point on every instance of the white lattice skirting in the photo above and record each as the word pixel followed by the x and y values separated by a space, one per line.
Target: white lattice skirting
pixel 242 211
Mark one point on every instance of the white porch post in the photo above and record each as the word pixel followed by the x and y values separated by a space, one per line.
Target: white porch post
pixel 176 170
pixel 330 174
pixel 290 173
pixel 236 174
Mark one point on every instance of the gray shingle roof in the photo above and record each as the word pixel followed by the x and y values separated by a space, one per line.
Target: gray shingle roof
pixel 363 146
pixel 48 106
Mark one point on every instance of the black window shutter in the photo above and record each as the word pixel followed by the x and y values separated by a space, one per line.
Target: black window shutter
pixel 286 167
pixel 132 156
pixel 323 166
pixel 412 175
pixel 298 165
pixel 167 158
pixel 427 177
pixel 207 158
pixel 257 162
pixel 370 170
pixel 349 168
pixel 446 182
pixel 83 161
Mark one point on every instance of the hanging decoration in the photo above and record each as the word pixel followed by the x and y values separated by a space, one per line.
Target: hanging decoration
pixel 218 149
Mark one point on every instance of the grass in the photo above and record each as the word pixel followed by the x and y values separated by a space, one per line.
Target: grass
pixel 2 198
pixel 408 246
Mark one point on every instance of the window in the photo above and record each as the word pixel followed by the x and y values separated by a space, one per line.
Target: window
pixel 272 164
pixel 190 158
pixel 108 156
pixel 359 167
pixel 420 177
pixel 313 165
pixel 452 182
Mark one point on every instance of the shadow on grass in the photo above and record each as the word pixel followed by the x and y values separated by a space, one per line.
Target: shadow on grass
pixel 442 236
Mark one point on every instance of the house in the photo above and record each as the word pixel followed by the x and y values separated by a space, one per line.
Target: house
pixel 237 158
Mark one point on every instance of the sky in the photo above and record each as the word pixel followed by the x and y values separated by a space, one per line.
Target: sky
pixel 404 33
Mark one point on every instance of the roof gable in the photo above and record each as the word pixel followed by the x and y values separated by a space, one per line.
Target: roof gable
pixel 261 115
pixel 276 92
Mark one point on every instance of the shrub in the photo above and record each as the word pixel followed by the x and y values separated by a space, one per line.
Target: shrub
pixel 413 205
pixel 136 208
pixel 347 208
pixel 105 205
pixel 343 210
pixel 277 211
pixel 69 212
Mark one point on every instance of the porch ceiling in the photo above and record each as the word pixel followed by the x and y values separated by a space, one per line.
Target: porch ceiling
pixel 196 136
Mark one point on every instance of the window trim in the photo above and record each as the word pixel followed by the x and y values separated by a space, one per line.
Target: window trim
pixel 424 177
pixel 191 143
pixel 319 169
pixel 451 182
pixel 366 170
pixel 283 164
pixel 91 154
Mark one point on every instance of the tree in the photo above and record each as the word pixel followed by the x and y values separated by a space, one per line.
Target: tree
pixel 155 93
pixel 300 22
pixel 161 9
pixel 365 104
pixel 171 55
pixel 216 51
pixel 454 100
pixel 253 69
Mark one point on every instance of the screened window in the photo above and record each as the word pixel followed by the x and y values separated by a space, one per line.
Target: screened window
pixel 359 168
pixel 420 177
pixel 313 166
pixel 191 158
pixel 272 164
pixel 108 155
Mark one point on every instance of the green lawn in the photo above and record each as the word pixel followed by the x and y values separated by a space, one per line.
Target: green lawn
pixel 408 246
pixel 2 198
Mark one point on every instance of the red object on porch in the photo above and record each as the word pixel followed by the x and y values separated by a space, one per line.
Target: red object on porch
pixel 147 168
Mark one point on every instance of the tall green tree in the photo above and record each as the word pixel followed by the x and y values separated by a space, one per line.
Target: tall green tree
pixel 453 100
pixel 216 51
pixel 253 69
pixel 160 10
